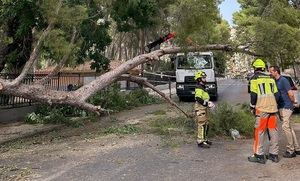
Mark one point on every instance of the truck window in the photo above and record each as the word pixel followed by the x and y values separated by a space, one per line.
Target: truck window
pixel 194 62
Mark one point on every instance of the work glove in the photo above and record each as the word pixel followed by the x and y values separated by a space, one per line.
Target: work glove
pixel 252 110
pixel 211 105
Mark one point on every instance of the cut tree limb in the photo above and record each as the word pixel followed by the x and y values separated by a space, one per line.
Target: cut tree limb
pixel 147 84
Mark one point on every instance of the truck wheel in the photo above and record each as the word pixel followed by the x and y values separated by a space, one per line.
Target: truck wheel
pixel 181 99
pixel 214 98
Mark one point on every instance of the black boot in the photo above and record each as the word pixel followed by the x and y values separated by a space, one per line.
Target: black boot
pixel 287 154
pixel 203 145
pixel 208 142
pixel 273 157
pixel 257 158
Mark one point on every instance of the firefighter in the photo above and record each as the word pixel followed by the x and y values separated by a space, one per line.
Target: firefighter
pixel 201 106
pixel 264 96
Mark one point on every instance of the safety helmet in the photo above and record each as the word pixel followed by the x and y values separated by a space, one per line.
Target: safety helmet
pixel 259 63
pixel 199 74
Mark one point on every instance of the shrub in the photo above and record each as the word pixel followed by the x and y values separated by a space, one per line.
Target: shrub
pixel 56 115
pixel 114 99
pixel 225 117
pixel 111 98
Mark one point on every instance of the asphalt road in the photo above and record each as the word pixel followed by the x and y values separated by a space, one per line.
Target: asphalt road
pixel 141 157
pixel 233 91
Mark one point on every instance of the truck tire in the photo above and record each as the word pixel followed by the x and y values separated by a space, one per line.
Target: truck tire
pixel 181 99
pixel 214 98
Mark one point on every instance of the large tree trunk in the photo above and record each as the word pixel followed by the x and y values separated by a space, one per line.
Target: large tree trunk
pixel 78 98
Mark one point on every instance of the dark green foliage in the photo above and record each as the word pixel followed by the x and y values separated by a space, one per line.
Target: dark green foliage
pixel 195 21
pixel 226 117
pixel 272 28
pixel 56 115
pixel 112 98
pixel 134 14
pixel 18 18
pixel 96 38
pixel 220 62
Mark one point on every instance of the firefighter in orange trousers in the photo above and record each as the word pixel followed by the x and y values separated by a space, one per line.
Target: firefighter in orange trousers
pixel 264 97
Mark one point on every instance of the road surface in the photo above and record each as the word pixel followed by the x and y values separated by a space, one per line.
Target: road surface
pixel 142 156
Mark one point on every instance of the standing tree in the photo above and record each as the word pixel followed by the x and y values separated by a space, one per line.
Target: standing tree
pixel 18 19
pixel 271 28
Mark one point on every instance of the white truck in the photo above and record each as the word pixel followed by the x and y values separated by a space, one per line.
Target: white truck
pixel 186 66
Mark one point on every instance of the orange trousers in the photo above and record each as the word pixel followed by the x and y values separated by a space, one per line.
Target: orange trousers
pixel 265 127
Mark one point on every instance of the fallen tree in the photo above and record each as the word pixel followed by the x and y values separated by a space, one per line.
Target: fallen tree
pixel 39 93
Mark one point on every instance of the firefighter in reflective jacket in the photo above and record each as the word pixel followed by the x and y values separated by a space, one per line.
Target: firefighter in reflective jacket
pixel 201 105
pixel 264 97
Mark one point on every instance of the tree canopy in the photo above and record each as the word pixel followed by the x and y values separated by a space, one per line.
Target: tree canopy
pixel 270 28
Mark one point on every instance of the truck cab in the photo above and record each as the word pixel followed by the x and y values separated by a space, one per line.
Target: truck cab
pixel 186 66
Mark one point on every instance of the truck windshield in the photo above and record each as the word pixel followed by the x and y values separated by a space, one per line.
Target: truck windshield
pixel 194 62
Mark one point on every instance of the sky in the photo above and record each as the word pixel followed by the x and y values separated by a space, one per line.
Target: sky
pixel 227 8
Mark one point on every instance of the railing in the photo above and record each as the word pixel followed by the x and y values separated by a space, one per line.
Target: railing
pixel 62 82
pixel 160 79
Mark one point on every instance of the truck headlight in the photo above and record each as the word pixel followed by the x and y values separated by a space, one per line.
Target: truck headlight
pixel 211 86
pixel 180 86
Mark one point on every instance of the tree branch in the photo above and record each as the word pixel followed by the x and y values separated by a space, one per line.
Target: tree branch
pixel 91 108
pixel 61 63
pixel 35 51
pixel 106 79
pixel 147 84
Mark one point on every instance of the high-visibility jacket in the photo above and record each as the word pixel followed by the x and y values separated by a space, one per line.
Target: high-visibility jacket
pixel 201 95
pixel 264 93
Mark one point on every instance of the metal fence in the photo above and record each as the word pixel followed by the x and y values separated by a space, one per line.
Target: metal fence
pixel 161 79
pixel 62 82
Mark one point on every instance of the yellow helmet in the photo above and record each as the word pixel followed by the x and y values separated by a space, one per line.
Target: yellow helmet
pixel 259 63
pixel 199 74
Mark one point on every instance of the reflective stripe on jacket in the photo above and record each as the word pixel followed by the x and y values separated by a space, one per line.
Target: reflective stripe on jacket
pixel 263 90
